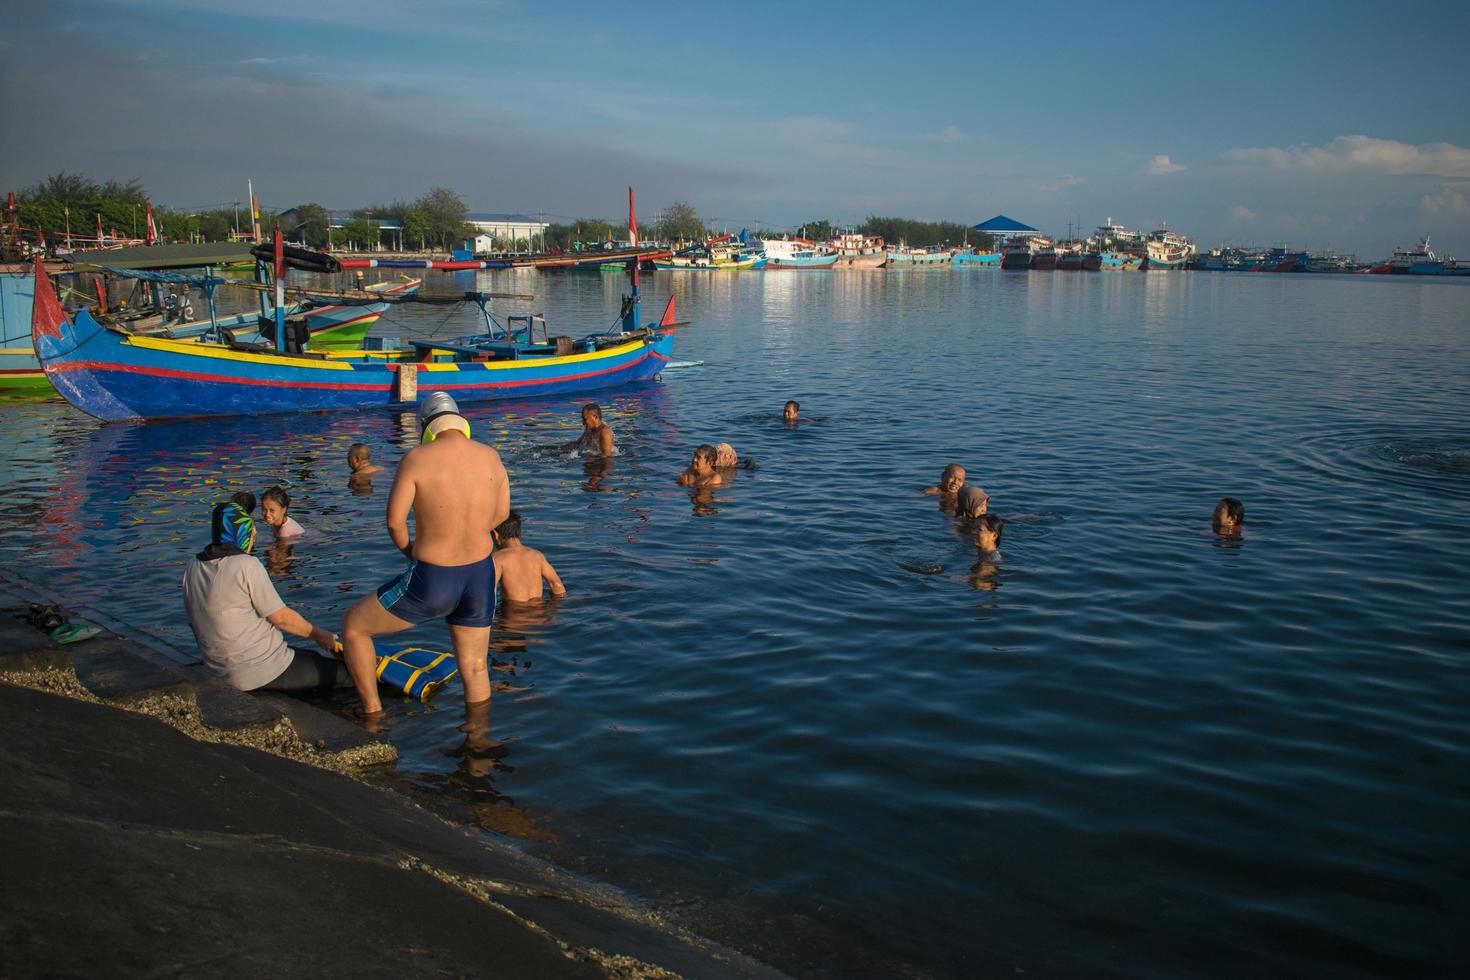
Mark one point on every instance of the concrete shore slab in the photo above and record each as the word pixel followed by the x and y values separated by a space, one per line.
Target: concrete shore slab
pixel 135 850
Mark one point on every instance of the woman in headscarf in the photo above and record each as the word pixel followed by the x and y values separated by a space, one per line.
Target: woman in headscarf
pixel 238 618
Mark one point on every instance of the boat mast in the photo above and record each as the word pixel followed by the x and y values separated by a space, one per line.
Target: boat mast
pixel 631 318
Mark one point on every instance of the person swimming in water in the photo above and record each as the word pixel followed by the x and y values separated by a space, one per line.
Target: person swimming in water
pixel 951 479
pixel 597 436
pixel 726 458
pixel 791 414
pixel 245 499
pixel 971 501
pixel 275 507
pixel 519 570
pixel 1228 518
pixel 985 534
pixel 701 472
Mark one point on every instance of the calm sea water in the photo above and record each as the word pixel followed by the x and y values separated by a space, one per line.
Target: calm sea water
pixel 790 715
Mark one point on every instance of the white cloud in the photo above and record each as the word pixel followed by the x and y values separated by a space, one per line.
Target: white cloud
pixel 1362 153
pixel 1242 213
pixel 951 134
pixel 1062 184
pixel 1161 164
pixel 1449 200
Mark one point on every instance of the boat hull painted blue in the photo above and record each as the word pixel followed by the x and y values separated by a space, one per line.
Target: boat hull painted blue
pixel 117 376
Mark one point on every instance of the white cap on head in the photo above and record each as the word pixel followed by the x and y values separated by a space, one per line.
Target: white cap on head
pixel 438 412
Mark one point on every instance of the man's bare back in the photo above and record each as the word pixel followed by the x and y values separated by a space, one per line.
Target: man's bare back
pixel 520 571
pixel 458 491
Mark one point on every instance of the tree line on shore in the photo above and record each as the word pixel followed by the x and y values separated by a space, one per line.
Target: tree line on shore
pixel 437 219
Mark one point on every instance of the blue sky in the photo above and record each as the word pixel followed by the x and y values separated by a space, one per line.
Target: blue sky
pixel 1316 124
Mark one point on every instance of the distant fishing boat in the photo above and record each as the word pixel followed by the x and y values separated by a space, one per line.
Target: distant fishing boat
pixel 1045 254
pixel 904 257
pixel 1069 257
pixel 1167 250
pixel 858 251
pixel 720 255
pixel 975 258
pixel 796 253
pixel 1111 261
pixel 1018 252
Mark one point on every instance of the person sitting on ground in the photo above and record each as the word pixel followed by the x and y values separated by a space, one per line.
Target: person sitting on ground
pixel 951 479
pixel 520 571
pixel 275 505
pixel 597 436
pixel 726 459
pixel 701 472
pixel 238 617
pixel 986 537
pixel 246 500
pixel 1228 517
pixel 971 501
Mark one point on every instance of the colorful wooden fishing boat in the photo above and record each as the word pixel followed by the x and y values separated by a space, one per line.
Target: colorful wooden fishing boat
pixel 721 255
pixel 20 372
pixel 114 374
pixel 982 259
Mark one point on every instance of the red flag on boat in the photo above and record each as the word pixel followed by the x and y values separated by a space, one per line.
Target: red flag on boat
pixel 632 221
pixel 41 239
pixel 47 316
pixel 152 228
pixel 668 319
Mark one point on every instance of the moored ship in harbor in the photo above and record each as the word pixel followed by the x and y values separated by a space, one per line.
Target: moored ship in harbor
pixel 1166 250
pixel 905 257
pixel 1018 252
pixel 1045 256
pixel 976 257
pixel 796 253
pixel 858 251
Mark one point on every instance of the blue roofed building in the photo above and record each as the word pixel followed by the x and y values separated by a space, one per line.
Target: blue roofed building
pixel 1002 227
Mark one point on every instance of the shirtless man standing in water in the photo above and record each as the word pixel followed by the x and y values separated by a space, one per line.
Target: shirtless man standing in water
pixel 458 491
pixel 597 435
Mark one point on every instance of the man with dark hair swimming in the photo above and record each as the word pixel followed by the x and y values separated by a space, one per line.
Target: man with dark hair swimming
pixel 597 436
pixel 458 492
pixel 238 617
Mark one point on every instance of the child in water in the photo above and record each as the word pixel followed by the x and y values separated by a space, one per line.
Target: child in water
pixel 1228 518
pixel 520 571
pixel 986 536
pixel 275 505
pixel 701 472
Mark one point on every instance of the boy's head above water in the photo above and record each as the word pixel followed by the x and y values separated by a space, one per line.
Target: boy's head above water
pixel 791 412
pixel 986 532
pixel 1229 515
pixel 509 529
pixel 704 458
pixel 360 455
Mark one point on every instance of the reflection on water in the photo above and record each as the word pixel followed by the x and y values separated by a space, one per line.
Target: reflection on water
pixel 800 699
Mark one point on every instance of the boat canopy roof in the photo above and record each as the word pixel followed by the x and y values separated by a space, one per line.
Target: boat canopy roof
pixel 1001 225
pixel 183 255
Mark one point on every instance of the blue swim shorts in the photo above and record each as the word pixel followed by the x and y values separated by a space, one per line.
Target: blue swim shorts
pixel 462 594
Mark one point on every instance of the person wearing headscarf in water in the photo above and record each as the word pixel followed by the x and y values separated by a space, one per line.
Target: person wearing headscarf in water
pixel 238 617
